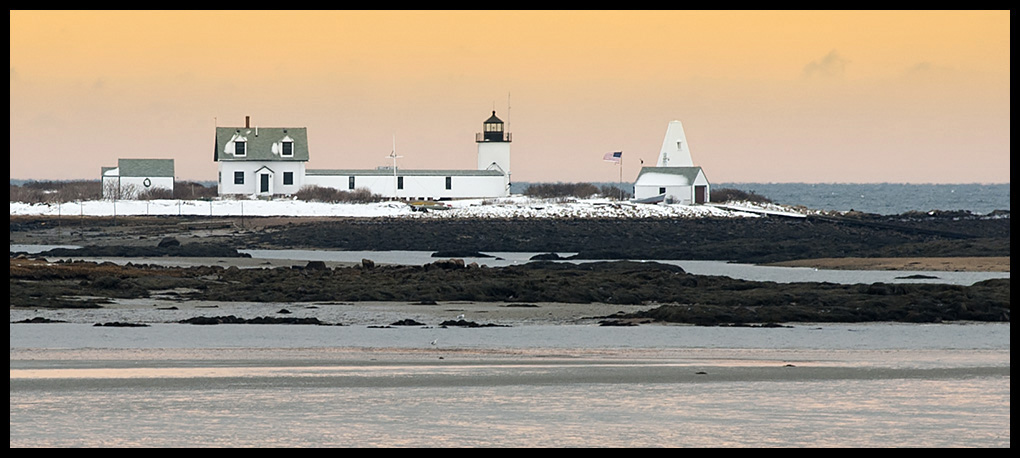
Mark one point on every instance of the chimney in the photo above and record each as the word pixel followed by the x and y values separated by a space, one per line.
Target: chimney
pixel 246 119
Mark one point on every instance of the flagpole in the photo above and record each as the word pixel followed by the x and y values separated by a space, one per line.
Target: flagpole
pixel 621 175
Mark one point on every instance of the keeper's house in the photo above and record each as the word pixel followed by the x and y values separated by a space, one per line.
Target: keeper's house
pixel 270 161
pixel 132 177
pixel 675 178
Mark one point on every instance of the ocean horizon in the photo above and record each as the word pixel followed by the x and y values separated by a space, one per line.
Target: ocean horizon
pixel 878 198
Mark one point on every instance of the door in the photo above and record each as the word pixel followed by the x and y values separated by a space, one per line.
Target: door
pixel 264 182
pixel 699 194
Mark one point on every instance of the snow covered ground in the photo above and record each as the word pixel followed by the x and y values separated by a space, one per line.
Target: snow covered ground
pixel 511 207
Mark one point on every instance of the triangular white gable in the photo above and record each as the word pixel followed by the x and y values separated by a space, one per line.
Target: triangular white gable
pixel 675 152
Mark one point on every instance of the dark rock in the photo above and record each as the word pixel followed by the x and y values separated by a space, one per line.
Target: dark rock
pixel 38 319
pixel 117 324
pixel 168 242
pixel 448 264
pixel 367 263
pixel 470 324
pixel 230 319
pixel 407 322
pixel 316 265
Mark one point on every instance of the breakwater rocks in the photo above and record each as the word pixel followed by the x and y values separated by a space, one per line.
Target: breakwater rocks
pixel 681 297
pixel 231 319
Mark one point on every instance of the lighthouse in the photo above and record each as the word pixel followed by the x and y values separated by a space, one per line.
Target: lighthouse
pixel 494 147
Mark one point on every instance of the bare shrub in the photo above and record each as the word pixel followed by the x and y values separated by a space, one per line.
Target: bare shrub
pixel 56 191
pixel 614 192
pixel 190 190
pixel 736 195
pixel 332 195
pixel 155 194
pixel 552 190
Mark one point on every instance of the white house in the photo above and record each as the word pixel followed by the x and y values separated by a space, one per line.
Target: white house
pixel 271 161
pixel 258 161
pixel 675 178
pixel 133 176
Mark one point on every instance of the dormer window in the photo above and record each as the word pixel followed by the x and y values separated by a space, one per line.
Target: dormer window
pixel 288 149
pixel 239 148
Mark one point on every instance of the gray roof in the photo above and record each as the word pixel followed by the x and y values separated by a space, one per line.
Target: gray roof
pixel 493 118
pixel 690 173
pixel 260 147
pixel 402 172
pixel 145 167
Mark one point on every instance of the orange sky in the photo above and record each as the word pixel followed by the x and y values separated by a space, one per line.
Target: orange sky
pixel 764 96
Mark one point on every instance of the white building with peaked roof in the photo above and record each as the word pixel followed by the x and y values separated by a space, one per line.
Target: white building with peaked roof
pixel 132 177
pixel 675 178
pixel 271 161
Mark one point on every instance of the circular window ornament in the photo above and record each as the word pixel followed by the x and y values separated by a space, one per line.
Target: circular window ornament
pixel 147 183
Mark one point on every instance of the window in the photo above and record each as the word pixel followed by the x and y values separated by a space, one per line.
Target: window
pixel 239 148
pixel 288 149
pixel 449 182
pixel 400 182
pixel 350 183
pixel 662 190
pixel 288 177
pixel 239 177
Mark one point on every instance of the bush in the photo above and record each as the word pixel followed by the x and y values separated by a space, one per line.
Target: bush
pixel 155 194
pixel 332 195
pixel 190 190
pixel 614 192
pixel 736 195
pixel 37 192
pixel 551 190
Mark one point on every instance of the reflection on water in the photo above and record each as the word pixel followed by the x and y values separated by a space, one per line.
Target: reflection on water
pixel 861 385
pixel 296 412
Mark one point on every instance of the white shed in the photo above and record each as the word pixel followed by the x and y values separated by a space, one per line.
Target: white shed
pixel 675 178
pixel 679 185
pixel 132 177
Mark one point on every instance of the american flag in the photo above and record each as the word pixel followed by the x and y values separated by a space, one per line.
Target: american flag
pixel 613 157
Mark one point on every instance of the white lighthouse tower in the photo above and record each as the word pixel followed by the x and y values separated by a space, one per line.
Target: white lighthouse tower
pixel 494 148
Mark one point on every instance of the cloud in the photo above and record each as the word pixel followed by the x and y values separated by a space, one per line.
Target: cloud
pixel 831 66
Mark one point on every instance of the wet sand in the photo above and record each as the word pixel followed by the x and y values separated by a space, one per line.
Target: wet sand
pixel 941 264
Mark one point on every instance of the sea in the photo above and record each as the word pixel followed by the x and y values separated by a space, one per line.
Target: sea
pixel 878 198
pixel 524 384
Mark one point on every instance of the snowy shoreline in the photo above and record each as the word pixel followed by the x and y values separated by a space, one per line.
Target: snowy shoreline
pixel 512 207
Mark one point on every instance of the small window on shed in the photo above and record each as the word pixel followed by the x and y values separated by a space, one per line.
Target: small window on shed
pixel 449 182
pixel 350 183
pixel 400 182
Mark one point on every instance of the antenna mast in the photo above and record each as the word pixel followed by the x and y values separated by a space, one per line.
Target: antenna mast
pixel 508 111
pixel 393 155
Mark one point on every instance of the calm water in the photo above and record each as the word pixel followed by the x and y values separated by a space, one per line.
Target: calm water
pixel 883 198
pixel 173 385
pixel 733 270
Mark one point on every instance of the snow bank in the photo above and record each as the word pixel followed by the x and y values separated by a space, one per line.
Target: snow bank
pixel 512 207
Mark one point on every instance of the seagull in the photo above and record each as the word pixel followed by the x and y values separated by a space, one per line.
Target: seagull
pixel 434 341
pixel 460 317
